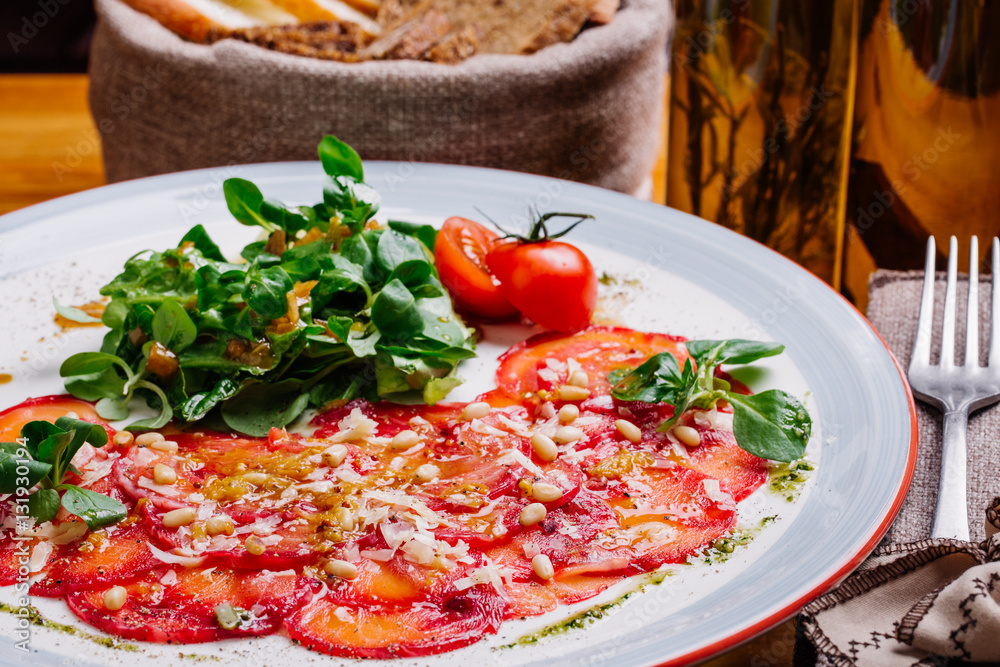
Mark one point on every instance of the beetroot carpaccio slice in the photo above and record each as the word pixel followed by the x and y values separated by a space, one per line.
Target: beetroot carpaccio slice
pixel 180 606
pixel 433 625
pixel 386 530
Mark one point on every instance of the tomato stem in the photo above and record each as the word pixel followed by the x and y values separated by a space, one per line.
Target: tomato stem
pixel 539 232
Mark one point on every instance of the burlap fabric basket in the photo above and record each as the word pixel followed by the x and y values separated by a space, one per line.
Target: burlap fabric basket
pixel 587 111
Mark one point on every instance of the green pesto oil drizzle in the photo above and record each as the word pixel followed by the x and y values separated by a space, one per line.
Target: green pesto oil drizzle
pixel 723 548
pixel 787 479
pixel 584 618
pixel 37 619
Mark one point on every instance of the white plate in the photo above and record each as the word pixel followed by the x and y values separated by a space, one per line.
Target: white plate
pixel 697 280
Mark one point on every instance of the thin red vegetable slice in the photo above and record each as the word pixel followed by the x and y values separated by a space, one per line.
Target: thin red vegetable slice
pixel 540 363
pixel 181 608
pixel 420 629
pixel 391 417
pixel 532 598
pixel 46 408
pixel 718 456
pixel 578 538
pixel 102 558
pixel 44 547
pixel 670 513
pixel 239 478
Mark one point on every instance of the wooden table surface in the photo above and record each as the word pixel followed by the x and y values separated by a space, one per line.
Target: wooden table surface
pixel 49 147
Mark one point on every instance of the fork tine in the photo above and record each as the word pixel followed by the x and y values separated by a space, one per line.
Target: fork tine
pixel 921 354
pixel 948 330
pixel 994 357
pixel 972 312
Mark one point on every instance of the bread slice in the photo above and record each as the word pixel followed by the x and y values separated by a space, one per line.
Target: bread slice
pixel 196 19
pixel 329 10
pixel 501 26
pixel 411 39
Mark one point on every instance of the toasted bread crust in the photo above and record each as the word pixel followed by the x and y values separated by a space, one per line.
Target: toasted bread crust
pixel 327 40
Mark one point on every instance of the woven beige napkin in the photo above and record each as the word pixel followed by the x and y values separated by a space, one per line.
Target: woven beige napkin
pixel 918 601
pixel 588 111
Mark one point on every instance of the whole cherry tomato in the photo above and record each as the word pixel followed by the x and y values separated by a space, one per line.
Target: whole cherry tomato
pixel 460 254
pixel 549 281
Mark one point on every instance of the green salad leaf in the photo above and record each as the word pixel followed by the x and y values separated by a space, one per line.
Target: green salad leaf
pixel 327 306
pixel 772 424
pixel 39 463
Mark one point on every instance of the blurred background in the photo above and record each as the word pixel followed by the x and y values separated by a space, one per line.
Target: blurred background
pixel 45 35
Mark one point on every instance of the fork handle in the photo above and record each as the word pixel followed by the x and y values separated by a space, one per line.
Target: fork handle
pixel 951 517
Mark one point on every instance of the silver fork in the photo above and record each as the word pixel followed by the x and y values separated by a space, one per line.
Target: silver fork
pixel 956 390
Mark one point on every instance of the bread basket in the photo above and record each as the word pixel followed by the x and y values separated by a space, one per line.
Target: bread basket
pixel 589 110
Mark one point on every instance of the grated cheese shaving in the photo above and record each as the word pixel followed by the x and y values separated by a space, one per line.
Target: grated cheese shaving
pixel 488 574
pixel 174 559
pixel 512 456
pixel 355 426
pixel 479 426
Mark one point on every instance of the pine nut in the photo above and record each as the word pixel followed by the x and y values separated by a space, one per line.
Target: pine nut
pixel 227 616
pixel 220 525
pixel 426 473
pixel 568 413
pixel 542 565
pixel 567 434
pixel 341 569
pixel 255 478
pixel 344 518
pixel 115 598
pixel 123 438
pixel 404 440
pixel 475 411
pixel 72 415
pixel 578 379
pixel 532 514
pixel 544 446
pixel 688 435
pixel 568 392
pixel 146 439
pixel 654 532
pixel 631 432
pixel 164 446
pixel 545 492
pixel 334 455
pixel 164 474
pixel 181 517
pixel 253 545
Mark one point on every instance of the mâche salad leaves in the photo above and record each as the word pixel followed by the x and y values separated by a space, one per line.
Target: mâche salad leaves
pixel 772 424
pixel 328 306
pixel 43 457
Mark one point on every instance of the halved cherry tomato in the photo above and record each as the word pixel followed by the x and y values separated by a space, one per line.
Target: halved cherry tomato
pixel 460 254
pixel 550 282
